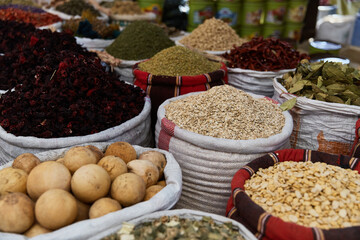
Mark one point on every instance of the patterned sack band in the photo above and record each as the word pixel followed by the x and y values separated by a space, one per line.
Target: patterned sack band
pixel 266 226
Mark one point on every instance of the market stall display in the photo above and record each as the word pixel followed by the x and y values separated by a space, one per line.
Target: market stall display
pixel 253 65
pixel 71 100
pixel 184 222
pixel 315 194
pixel 86 184
pixel 212 134
pixel 213 36
pixel 325 96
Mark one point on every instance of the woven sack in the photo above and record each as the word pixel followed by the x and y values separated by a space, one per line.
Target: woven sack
pixel 207 163
pixel 160 88
pixel 182 213
pixel 94 44
pixel 322 126
pixel 163 200
pixel 256 82
pixel 265 226
pixel 134 131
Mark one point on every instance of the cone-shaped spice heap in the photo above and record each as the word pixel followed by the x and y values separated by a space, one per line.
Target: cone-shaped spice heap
pixel 140 40
pixel 212 35
pixel 178 61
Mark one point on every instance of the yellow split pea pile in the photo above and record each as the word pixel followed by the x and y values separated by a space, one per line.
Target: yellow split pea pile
pixel 309 194
pixel 38 197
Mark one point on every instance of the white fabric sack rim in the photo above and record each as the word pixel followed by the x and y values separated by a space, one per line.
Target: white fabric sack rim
pixel 93 43
pixel 30 141
pixel 229 145
pixel 260 74
pixel 185 213
pixel 315 105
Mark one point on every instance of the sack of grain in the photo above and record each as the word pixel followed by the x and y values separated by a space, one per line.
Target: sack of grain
pixel 319 183
pixel 207 162
pixel 86 229
pixel 134 131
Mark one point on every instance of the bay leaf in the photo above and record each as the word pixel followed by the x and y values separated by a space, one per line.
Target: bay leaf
pixel 350 94
pixel 316 89
pixel 321 96
pixel 357 102
pixel 355 89
pixel 289 104
pixel 319 82
pixel 288 82
pixel 334 99
pixel 324 89
pixel 348 102
pixel 298 86
pixel 337 87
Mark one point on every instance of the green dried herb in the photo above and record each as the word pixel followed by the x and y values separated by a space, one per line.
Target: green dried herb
pixel 289 104
pixel 324 81
pixel 140 40
pixel 179 61
pixel 76 7
pixel 174 227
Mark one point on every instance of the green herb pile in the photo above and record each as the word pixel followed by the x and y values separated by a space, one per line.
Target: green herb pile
pixel 179 61
pixel 324 81
pixel 174 227
pixel 140 40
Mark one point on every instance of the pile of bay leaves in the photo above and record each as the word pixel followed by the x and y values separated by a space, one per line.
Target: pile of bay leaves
pixel 324 81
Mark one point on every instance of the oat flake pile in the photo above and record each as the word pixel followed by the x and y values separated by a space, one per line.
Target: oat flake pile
pixel 226 112
pixel 212 35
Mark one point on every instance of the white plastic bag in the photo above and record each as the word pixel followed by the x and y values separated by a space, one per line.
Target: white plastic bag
pixel 255 82
pixel 208 164
pixel 322 126
pixel 134 131
pixel 182 213
pixel 163 200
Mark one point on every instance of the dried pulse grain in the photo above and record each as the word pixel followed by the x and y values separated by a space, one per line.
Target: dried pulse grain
pixel 309 194
pixel 212 35
pixel 226 112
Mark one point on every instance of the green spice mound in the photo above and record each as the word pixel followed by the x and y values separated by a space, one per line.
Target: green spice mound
pixel 324 81
pixel 140 40
pixel 178 61
pixel 174 227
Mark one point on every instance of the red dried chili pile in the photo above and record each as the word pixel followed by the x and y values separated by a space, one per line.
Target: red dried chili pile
pixel 62 90
pixel 268 54
pixel 37 19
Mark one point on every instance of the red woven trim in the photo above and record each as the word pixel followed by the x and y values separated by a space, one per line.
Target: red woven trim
pixel 355 150
pixel 166 132
pixel 218 75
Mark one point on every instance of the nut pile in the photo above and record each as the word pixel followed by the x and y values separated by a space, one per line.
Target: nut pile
pixel 212 35
pixel 226 112
pixel 309 194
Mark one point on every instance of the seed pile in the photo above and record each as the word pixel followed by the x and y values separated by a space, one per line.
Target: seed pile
pixel 226 112
pixel 212 35
pixel 75 7
pixel 310 194
pixel 140 40
pixel 126 8
pixel 178 61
